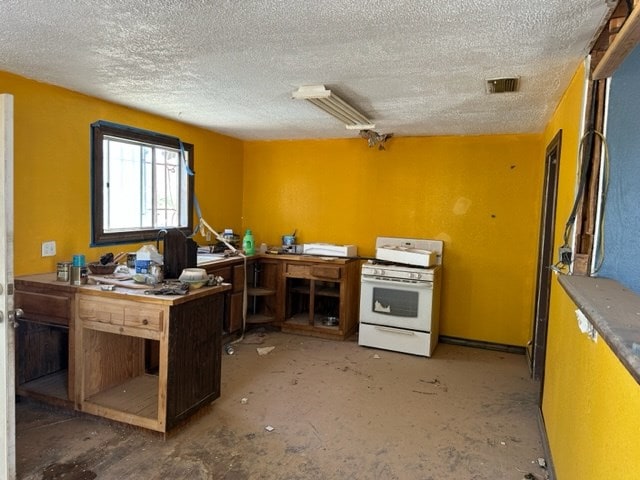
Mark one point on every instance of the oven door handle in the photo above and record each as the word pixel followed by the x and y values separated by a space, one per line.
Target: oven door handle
pixel 394 330
pixel 418 284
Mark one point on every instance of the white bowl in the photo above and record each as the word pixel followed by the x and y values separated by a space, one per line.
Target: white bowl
pixel 195 284
pixel 193 275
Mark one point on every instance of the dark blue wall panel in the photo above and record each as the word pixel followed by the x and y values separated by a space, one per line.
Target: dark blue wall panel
pixel 622 210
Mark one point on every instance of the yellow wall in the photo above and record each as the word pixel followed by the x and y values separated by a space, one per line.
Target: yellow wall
pixel 52 168
pixel 481 195
pixel 590 401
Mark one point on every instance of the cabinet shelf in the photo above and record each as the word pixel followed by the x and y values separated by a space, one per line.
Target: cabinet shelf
pixel 328 292
pixel 53 387
pixel 260 292
pixel 257 318
pixel 137 397
pixel 322 291
pixel 299 319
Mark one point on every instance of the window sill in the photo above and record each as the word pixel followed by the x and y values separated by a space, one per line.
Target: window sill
pixel 614 311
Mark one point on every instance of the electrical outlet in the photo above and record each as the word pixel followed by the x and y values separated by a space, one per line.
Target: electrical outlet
pixel 49 248
pixel 564 252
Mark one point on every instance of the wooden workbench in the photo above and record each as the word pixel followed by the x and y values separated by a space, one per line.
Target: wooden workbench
pixel 112 378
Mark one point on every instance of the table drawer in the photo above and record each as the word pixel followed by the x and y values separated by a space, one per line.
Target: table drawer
pixel 121 313
pixel 325 272
pixel 93 310
pixel 144 317
pixel 44 307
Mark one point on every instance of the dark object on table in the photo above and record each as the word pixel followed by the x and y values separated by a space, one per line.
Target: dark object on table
pixel 98 268
pixel 106 258
pixel 177 290
pixel 180 252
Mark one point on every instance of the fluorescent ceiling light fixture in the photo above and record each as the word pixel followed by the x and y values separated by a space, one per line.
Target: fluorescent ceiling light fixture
pixel 334 106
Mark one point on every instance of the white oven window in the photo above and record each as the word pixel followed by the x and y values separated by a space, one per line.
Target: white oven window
pixel 397 303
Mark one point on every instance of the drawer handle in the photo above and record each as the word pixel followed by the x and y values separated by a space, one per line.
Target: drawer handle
pixel 145 321
pixel 395 330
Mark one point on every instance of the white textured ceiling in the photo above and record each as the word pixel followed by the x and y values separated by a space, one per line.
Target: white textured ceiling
pixel 415 67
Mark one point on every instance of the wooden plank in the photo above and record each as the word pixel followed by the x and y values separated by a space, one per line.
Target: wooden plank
pixel 109 360
pixel 42 350
pixel 53 385
pixel 194 357
pixel 136 396
pixel 626 40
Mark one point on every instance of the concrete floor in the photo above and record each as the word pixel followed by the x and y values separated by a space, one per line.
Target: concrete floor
pixel 337 410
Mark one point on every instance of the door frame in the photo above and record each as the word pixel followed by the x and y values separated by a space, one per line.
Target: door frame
pixel 7 333
pixel 537 346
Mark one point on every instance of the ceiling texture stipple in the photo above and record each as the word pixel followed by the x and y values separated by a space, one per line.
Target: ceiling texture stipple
pixel 414 67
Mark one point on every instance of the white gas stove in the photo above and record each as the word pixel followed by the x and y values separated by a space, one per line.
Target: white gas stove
pixel 400 296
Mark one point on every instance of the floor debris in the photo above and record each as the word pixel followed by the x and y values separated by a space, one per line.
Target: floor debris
pixel 264 350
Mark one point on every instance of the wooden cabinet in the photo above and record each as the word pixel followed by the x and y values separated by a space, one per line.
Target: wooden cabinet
pixel 264 292
pixel 112 331
pixel 233 272
pixel 296 292
pixel 322 296
pixel 45 339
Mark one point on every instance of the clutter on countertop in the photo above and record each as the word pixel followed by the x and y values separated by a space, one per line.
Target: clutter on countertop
pixel 145 255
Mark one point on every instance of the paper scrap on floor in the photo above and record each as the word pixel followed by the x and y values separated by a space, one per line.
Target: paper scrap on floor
pixel 264 350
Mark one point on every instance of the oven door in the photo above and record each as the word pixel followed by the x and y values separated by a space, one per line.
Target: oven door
pixel 396 304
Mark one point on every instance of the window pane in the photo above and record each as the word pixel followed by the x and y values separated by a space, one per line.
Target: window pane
pixel 167 188
pixel 122 185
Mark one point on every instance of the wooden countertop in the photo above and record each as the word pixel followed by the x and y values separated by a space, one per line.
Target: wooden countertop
pixel 140 295
pixel 137 294
pixel 280 256
pixel 40 279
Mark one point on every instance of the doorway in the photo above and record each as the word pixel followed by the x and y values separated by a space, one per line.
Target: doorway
pixel 537 346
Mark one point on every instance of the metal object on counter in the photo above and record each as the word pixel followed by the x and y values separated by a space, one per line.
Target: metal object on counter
pixel 131 260
pixel 229 349
pixel 63 271
pixel 79 275
pixel 157 272
pixel 170 290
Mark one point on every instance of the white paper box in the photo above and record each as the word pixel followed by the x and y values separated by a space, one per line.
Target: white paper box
pixel 410 256
pixel 330 250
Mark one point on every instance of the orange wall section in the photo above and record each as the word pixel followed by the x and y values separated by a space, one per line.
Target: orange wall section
pixel 481 195
pixel 52 169
pixel 590 401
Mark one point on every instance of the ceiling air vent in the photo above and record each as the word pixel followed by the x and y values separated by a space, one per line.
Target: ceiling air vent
pixel 503 85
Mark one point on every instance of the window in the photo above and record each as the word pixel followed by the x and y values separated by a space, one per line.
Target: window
pixel 140 184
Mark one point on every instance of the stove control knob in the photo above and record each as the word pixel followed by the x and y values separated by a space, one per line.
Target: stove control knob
pixel 415 276
pixel 379 272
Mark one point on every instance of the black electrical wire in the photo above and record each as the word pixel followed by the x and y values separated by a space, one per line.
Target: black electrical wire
pixel 584 162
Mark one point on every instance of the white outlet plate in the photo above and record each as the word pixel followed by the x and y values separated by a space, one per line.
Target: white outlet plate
pixel 49 248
